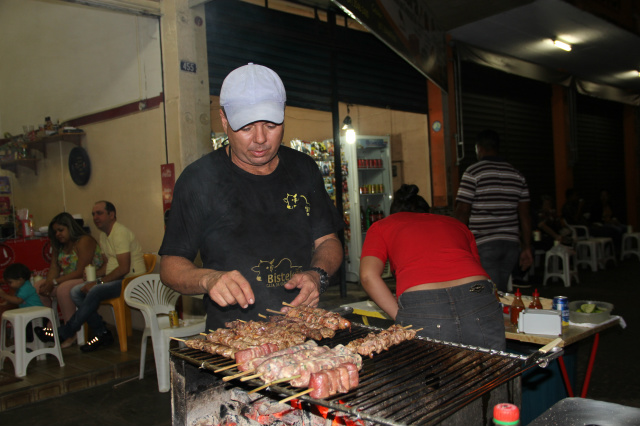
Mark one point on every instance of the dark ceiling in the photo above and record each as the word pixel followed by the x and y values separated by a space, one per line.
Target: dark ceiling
pixel 602 53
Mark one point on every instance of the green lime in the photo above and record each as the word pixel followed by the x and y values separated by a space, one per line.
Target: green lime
pixel 588 307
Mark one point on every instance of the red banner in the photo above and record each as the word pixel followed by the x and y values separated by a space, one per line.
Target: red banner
pixel 168 176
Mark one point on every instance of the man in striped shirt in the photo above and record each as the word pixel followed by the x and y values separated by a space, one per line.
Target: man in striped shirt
pixel 493 201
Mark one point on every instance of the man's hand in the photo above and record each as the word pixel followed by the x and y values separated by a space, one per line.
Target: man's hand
pixel 309 283
pixel 526 259
pixel 228 288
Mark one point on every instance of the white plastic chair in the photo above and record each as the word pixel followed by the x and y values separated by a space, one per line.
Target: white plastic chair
pixel 155 300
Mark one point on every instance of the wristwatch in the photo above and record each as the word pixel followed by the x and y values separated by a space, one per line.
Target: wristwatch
pixel 324 278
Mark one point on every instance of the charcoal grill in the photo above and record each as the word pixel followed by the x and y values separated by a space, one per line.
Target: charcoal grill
pixel 419 382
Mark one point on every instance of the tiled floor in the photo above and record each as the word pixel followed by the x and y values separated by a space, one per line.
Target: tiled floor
pixel 105 400
pixel 46 379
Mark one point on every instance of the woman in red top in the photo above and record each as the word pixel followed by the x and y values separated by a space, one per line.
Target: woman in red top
pixel 441 286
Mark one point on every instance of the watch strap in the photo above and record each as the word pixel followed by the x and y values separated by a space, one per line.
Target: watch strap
pixel 324 278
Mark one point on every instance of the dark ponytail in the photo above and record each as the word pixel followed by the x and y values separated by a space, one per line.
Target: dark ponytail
pixel 406 199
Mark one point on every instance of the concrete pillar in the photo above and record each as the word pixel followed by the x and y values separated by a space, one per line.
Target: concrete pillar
pixel 561 133
pixel 186 93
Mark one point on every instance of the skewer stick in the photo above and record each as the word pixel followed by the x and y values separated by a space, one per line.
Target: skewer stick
pixel 304 392
pixel 226 379
pixel 288 304
pixel 407 326
pixel 244 379
pixel 203 334
pixel 262 316
pixel 266 385
pixel 420 329
pixel 179 340
pixel 275 312
pixel 225 368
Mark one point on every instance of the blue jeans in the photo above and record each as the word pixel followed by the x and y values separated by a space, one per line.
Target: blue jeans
pixel 88 308
pixel 498 259
pixel 469 314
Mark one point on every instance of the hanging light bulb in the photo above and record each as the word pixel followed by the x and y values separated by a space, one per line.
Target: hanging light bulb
pixel 350 131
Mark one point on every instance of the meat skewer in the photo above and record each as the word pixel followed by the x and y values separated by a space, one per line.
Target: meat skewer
pixel 249 364
pixel 326 318
pixel 376 343
pixel 304 363
pixel 209 347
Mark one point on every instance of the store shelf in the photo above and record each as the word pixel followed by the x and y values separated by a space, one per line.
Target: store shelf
pixel 41 143
pixel 12 165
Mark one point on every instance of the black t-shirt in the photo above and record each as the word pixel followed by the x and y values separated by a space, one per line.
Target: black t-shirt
pixel 262 226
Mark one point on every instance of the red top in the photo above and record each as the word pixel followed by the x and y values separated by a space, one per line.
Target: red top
pixel 423 248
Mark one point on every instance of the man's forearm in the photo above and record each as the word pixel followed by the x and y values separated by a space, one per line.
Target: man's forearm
pixel 182 275
pixel 328 255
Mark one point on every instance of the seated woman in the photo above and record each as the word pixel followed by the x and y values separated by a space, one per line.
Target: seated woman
pixel 72 250
pixel 552 227
pixel 441 286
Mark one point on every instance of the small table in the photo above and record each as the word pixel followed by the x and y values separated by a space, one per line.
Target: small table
pixel 570 334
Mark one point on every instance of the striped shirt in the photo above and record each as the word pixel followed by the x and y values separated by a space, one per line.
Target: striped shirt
pixel 493 188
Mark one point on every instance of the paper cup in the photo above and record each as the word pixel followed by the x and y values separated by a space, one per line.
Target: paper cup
pixel 90 272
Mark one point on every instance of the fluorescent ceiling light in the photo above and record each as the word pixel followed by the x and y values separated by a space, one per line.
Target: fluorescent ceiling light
pixel 562 45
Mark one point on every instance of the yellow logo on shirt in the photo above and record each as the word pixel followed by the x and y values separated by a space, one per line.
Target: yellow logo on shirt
pixel 295 200
pixel 275 275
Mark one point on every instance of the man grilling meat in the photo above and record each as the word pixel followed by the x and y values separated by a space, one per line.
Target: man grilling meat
pixel 256 211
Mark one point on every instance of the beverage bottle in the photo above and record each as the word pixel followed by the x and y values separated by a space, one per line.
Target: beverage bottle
pixel 535 302
pixel 506 414
pixel 517 306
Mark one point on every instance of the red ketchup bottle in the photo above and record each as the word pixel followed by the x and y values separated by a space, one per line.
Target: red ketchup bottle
pixel 535 302
pixel 516 307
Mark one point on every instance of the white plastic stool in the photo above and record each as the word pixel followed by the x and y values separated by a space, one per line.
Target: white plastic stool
pixel 605 250
pixel 17 353
pixel 587 253
pixel 628 247
pixel 560 262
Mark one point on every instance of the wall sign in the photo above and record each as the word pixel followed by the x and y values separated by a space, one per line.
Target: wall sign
pixel 168 177
pixel 188 66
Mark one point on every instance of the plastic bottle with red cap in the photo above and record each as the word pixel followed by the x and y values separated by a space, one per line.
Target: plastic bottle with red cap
pixel 506 414
pixel 516 307
pixel 535 302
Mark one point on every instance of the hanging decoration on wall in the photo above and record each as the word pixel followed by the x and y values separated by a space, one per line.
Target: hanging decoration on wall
pixel 79 166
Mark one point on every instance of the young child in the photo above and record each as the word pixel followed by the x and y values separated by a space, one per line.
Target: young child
pixel 17 276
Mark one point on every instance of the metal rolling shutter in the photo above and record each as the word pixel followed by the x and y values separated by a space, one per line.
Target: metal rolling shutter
pixel 520 111
pixel 299 49
pixel 600 152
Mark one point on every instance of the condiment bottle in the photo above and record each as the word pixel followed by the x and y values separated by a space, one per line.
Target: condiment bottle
pixel 516 307
pixel 506 414
pixel 535 302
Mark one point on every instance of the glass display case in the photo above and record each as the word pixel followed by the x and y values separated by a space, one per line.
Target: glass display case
pixel 370 190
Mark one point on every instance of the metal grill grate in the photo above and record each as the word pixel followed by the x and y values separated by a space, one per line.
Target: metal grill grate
pixel 421 381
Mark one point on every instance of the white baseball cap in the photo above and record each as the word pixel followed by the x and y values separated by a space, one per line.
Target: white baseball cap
pixel 252 93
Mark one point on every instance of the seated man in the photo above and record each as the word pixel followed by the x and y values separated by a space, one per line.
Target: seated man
pixel 124 258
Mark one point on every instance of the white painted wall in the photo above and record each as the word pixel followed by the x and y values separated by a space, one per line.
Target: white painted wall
pixel 64 61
